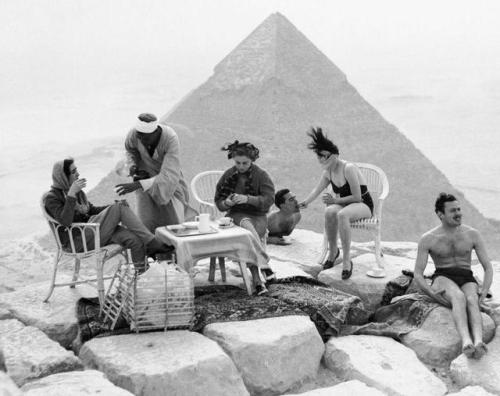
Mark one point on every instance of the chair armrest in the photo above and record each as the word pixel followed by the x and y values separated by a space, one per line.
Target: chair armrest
pixel 81 227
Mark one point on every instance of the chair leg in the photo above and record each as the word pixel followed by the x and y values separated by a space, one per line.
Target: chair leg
pixel 76 272
pixel 211 271
pixel 222 267
pixel 246 278
pixel 52 283
pixel 377 271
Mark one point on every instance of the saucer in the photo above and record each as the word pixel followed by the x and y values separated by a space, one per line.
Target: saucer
pixel 226 226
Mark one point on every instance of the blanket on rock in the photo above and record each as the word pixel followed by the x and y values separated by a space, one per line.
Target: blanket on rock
pixel 328 308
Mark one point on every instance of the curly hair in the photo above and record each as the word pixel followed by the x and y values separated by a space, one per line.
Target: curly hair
pixel 236 148
pixel 320 142
pixel 441 201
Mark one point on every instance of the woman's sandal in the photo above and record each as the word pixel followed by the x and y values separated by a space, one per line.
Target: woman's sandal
pixel 330 263
pixel 346 274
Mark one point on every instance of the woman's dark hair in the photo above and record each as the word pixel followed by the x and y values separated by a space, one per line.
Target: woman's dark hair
pixel 66 165
pixel 441 200
pixel 236 148
pixel 320 142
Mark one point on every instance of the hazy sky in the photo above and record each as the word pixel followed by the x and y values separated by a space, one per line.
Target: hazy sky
pixel 60 43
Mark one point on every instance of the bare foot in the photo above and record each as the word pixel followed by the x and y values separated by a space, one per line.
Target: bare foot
pixel 480 350
pixel 468 350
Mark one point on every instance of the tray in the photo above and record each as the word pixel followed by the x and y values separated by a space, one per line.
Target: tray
pixel 183 232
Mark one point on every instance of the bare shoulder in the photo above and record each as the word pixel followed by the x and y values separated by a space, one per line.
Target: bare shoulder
pixel 430 237
pixel 471 232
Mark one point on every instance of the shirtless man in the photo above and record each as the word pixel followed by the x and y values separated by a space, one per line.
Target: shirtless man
pixel 450 246
pixel 282 222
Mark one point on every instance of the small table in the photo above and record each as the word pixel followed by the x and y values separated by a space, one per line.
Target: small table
pixel 235 243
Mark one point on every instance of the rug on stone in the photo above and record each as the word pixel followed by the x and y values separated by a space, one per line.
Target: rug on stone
pixel 328 308
pixel 403 309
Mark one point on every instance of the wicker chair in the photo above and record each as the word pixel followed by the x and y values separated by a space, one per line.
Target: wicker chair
pixel 378 186
pixel 203 188
pixel 100 254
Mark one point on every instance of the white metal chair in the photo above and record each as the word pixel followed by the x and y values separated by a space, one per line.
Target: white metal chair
pixel 100 253
pixel 203 188
pixel 378 186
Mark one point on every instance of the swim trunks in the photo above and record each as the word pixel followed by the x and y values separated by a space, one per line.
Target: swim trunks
pixel 460 276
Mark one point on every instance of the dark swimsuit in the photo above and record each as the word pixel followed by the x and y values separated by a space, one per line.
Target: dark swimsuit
pixel 345 191
pixel 460 276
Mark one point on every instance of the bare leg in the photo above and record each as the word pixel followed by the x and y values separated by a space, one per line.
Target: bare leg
pixel 331 229
pixel 459 310
pixel 346 215
pixel 475 319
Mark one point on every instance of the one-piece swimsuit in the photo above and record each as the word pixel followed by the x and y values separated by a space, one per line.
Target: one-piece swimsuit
pixel 345 190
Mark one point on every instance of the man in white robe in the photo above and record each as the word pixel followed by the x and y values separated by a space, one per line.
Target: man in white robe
pixel 153 154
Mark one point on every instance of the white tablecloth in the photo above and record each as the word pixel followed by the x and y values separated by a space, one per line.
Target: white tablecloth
pixel 236 243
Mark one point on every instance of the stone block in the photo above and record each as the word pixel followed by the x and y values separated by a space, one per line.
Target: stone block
pixel 273 355
pixel 304 251
pixel 74 383
pixel 483 372
pixel 348 388
pixel 7 386
pixel 57 318
pixel 370 290
pixel 164 363
pixel 382 363
pixel 472 391
pixel 437 342
pixel 5 314
pixel 28 353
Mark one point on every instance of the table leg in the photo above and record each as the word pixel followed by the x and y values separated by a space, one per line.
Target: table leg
pixel 246 279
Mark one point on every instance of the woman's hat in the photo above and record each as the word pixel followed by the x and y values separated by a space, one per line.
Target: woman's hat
pixel 146 123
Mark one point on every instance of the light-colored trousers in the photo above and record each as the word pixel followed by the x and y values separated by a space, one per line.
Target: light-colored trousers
pixel 131 234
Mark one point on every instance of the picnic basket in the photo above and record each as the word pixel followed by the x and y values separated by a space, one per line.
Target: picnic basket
pixel 160 298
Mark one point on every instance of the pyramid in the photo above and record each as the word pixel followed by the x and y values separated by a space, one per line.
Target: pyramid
pixel 270 90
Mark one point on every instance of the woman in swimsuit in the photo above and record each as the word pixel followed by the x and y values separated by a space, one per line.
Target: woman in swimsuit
pixel 351 202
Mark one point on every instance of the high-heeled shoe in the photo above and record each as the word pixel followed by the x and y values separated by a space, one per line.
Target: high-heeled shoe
pixel 346 274
pixel 330 263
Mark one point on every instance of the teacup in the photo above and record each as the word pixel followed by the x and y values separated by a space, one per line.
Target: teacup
pixel 225 221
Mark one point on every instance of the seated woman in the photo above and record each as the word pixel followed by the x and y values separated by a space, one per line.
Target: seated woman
pixel 67 203
pixel 246 193
pixel 351 202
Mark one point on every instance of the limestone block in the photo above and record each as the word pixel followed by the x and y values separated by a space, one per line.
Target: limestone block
pixel 7 386
pixel 74 383
pixel 370 290
pixel 287 269
pixel 348 388
pixel 382 363
pixel 483 372
pixel 164 363
pixel 56 318
pixel 437 341
pixel 272 354
pixel 304 251
pixel 5 314
pixel 472 391
pixel 28 353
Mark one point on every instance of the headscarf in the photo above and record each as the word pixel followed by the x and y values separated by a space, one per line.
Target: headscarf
pixel 61 182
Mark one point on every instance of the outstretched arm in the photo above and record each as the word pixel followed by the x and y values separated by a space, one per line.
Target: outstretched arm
pixel 322 184
pixel 485 262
